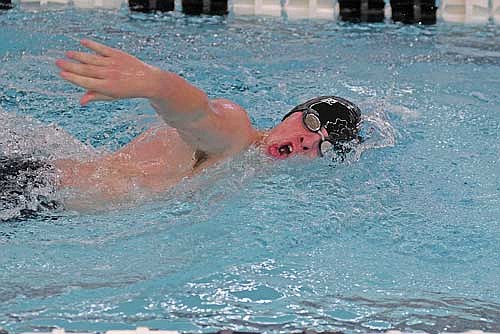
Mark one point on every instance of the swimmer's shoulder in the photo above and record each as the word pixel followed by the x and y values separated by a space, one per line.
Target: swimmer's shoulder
pixel 231 112
pixel 233 124
pixel 228 108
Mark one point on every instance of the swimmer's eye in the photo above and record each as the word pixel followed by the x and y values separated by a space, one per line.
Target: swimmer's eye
pixel 325 147
pixel 312 122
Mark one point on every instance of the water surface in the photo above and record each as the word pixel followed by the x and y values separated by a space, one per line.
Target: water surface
pixel 404 235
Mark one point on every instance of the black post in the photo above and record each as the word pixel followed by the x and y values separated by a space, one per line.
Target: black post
pixel 218 7
pixel 414 11
pixel 211 7
pixel 362 10
pixel 147 6
pixel 4 5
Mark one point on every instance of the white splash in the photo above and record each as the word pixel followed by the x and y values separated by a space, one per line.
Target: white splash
pixel 24 136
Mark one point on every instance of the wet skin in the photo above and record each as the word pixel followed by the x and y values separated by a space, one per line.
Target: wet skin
pixel 198 132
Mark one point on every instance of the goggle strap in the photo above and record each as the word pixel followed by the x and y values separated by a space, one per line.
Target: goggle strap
pixel 321 134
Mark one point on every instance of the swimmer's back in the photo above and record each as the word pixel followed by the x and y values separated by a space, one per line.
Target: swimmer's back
pixel 154 161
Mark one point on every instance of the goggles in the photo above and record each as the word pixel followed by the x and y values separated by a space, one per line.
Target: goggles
pixel 339 117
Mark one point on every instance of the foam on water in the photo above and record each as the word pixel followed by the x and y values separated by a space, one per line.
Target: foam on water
pixel 29 137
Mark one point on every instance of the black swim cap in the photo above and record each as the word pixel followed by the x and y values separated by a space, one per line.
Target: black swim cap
pixel 337 115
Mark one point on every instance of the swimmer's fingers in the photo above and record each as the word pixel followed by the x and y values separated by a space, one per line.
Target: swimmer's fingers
pixel 91 84
pixel 87 58
pixel 91 96
pixel 85 70
pixel 101 49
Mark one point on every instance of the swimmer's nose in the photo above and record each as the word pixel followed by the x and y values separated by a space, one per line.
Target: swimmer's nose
pixel 309 142
pixel 305 147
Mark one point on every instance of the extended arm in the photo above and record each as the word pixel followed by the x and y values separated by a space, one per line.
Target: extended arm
pixel 213 126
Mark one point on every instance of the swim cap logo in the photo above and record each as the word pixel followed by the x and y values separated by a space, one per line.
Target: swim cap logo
pixel 329 101
pixel 338 125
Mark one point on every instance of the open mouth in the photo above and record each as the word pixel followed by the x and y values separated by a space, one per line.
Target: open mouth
pixel 285 149
pixel 281 151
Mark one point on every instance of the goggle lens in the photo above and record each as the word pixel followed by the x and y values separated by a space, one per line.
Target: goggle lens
pixel 325 146
pixel 312 122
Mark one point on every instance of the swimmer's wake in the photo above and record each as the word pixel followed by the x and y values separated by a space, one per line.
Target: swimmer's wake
pixel 26 187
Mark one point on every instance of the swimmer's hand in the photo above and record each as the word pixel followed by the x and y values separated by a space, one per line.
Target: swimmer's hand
pixel 107 75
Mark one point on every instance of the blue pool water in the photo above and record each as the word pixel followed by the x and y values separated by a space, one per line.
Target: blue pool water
pixel 404 235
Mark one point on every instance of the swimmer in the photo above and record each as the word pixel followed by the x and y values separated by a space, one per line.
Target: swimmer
pixel 197 131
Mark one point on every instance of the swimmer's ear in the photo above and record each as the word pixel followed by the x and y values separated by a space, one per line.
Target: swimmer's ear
pixel 91 96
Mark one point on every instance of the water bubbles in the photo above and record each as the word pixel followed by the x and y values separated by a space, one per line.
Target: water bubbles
pixel 27 183
pixel 25 136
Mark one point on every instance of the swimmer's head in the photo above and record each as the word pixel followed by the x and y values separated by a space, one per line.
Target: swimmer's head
pixel 314 127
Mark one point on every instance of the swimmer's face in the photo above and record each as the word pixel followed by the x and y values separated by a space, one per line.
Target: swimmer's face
pixel 291 138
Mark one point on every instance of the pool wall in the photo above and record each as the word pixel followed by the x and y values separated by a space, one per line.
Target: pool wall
pixel 406 11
